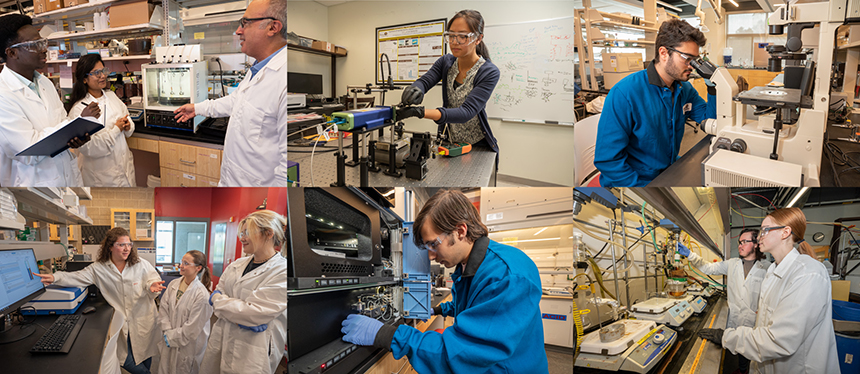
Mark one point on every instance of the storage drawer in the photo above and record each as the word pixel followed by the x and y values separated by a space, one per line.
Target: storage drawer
pixel 190 159
pixel 141 144
pixel 176 178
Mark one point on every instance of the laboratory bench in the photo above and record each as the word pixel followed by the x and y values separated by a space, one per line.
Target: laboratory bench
pixel 181 158
pixel 688 170
pixel 688 350
pixel 474 169
pixel 85 355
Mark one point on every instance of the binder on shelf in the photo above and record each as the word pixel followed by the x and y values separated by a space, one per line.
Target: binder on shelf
pixel 58 141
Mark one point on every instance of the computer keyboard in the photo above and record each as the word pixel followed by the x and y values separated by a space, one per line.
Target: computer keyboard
pixel 60 336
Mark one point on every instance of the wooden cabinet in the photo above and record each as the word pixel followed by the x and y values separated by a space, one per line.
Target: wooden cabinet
pixel 54 236
pixel 139 222
pixel 188 165
pixel 142 144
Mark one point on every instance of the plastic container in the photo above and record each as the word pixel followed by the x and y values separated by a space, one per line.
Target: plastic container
pixel 845 344
pixel 727 56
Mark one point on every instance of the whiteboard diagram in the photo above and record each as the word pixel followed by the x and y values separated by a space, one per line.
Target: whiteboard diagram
pixel 535 61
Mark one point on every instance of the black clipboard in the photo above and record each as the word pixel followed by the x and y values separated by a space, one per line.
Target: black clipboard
pixel 57 142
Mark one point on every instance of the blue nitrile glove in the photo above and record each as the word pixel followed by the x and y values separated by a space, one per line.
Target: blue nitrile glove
pixel 165 341
pixel 260 328
pixel 213 294
pixel 359 329
pixel 683 250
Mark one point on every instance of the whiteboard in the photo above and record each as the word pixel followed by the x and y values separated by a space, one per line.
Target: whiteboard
pixel 535 60
pixel 412 49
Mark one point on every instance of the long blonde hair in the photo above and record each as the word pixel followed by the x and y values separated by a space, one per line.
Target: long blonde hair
pixel 796 220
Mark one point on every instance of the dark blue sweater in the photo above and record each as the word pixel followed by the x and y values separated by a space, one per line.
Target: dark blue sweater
pixel 476 101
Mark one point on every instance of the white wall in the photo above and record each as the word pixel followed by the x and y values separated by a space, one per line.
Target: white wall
pixel 309 19
pixel 538 152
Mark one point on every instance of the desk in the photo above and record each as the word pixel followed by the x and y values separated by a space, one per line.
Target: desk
pixel 474 169
pixel 85 355
pixel 687 171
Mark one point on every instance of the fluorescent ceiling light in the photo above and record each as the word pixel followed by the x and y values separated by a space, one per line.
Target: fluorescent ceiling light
pixel 797 197
pixel 734 3
pixel 540 231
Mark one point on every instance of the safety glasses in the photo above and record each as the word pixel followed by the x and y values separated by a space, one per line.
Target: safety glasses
pixel 99 73
pixel 126 245
pixel 247 21
pixel 431 246
pixel 34 46
pixel 687 58
pixel 765 230
pixel 460 38
pixel 744 241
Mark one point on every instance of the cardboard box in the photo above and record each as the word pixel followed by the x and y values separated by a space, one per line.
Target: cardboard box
pixel 323 46
pixel 840 289
pixel 39 6
pixel 71 3
pixel 129 13
pixel 760 54
pixel 53 5
pixel 340 50
pixel 622 62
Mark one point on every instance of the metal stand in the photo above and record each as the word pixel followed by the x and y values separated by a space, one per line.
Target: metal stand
pixel 777 126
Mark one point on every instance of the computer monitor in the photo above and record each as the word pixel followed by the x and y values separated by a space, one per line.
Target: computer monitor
pixel 311 84
pixel 18 285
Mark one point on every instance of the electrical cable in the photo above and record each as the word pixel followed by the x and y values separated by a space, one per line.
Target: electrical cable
pixel 755 194
pixel 315 148
pixel 223 91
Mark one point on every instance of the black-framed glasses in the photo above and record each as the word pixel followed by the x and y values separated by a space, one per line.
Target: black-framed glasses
pixel 687 57
pixel 245 21
pixel 765 230
pixel 99 73
pixel 34 46
pixel 745 241
pixel 431 246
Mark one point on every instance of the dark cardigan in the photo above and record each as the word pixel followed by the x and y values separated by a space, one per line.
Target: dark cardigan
pixel 485 82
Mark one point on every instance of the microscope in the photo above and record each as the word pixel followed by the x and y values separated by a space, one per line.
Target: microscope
pixel 783 146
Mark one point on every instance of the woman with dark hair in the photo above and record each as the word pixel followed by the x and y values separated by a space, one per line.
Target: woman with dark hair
pixel 793 330
pixel 106 160
pixel 130 286
pixel 184 317
pixel 468 79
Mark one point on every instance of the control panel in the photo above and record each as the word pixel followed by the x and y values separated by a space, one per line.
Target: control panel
pixel 650 350
pixel 166 119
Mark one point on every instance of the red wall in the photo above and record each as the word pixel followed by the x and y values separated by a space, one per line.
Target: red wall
pixel 225 204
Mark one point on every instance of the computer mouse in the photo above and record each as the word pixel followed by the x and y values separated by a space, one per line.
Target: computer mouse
pixel 89 309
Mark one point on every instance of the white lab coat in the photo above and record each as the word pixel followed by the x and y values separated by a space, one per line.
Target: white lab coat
pixel 743 292
pixel 24 120
pixel 186 325
pixel 794 330
pixel 255 147
pixel 254 299
pixel 128 293
pixel 105 160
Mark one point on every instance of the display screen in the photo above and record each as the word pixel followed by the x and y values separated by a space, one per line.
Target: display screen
pixel 19 285
pixel 334 228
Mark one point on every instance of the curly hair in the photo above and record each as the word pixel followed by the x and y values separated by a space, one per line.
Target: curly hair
pixel 110 239
pixel 676 31
pixel 9 26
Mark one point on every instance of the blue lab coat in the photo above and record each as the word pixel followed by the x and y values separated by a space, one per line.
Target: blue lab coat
pixel 498 328
pixel 641 127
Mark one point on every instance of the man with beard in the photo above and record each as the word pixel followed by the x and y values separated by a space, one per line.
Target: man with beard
pixel 642 124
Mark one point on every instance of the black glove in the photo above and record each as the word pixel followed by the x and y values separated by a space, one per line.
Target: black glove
pixel 713 335
pixel 412 96
pixel 410 111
